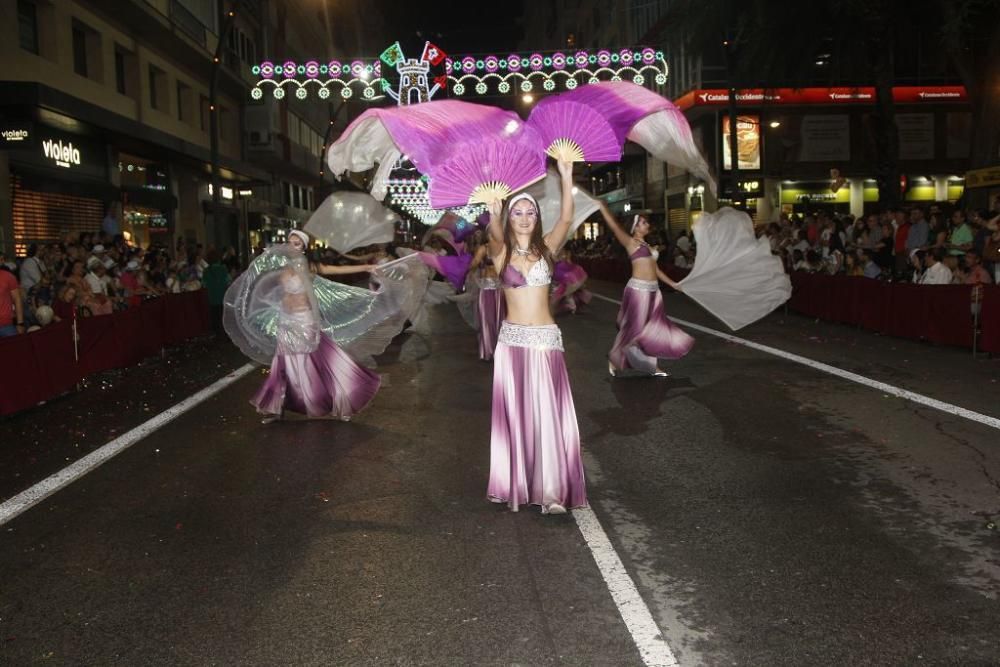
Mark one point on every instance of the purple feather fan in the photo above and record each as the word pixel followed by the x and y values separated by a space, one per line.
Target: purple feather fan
pixel 471 152
pixel 651 121
pixel 591 122
pixel 572 130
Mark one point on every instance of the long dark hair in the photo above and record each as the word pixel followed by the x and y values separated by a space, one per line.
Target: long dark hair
pixel 536 246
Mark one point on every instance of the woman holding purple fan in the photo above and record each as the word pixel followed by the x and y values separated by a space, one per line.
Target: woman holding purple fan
pixel 535 440
pixel 645 335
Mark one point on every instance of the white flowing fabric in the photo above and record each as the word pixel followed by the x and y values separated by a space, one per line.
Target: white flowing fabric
pixel 349 220
pixel 360 149
pixel 735 276
pixel 548 193
pixel 667 136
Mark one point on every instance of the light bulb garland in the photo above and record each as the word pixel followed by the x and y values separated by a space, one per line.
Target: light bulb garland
pixel 467 75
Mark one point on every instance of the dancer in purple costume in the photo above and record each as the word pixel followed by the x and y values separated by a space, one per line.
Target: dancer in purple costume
pixel 535 440
pixel 490 306
pixel 645 335
pixel 569 278
pixel 310 373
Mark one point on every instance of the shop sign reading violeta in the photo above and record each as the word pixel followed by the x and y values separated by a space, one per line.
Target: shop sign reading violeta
pixel 11 136
pixel 64 155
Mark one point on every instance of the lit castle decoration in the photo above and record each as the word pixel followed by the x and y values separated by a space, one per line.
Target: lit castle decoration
pixel 413 87
pixel 461 76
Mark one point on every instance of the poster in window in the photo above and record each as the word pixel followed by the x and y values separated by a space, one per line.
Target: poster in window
pixel 959 142
pixel 825 138
pixel 916 136
pixel 747 142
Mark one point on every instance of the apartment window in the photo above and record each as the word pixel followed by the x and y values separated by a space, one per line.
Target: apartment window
pixel 27 25
pixel 120 72
pixel 206 122
pixel 157 88
pixel 79 50
pixel 184 101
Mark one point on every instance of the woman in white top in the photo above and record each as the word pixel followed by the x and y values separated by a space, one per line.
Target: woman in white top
pixel 535 440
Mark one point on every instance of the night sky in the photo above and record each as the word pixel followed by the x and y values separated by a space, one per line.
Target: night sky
pixel 482 28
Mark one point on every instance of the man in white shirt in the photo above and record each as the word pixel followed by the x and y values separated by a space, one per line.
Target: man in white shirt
pixel 31 269
pixel 937 273
pixel 95 276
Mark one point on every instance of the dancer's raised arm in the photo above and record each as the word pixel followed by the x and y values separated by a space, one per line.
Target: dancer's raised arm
pixel 555 238
pixel 623 237
pixel 495 227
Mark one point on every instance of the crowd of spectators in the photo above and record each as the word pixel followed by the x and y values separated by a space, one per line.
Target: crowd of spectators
pixel 93 274
pixel 933 245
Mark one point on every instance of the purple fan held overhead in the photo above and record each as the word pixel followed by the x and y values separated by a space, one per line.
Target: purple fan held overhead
pixel 593 122
pixel 471 152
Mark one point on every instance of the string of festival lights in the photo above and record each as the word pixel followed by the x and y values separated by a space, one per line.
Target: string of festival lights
pixel 466 75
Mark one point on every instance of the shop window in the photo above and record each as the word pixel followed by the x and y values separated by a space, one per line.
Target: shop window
pixel 157 88
pixel 49 216
pixel 27 25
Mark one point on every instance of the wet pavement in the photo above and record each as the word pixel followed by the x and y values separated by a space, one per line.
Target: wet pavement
pixel 770 514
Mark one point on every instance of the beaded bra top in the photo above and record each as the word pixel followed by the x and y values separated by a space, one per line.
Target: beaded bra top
pixel 538 276
pixel 642 252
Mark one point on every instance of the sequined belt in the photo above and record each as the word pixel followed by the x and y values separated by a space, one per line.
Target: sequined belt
pixel 543 337
pixel 644 285
pixel 487 283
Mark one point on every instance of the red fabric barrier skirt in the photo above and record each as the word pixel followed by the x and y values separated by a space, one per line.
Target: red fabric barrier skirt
pixel 41 364
pixel 938 313
pixel 989 320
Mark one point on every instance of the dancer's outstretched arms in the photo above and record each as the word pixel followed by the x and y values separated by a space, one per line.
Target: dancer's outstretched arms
pixel 665 278
pixel 367 257
pixel 331 270
pixel 555 238
pixel 615 228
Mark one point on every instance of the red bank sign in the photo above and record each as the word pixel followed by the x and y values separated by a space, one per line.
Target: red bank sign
pixel 844 95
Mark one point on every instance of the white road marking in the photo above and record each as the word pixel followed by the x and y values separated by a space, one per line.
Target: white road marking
pixel 638 619
pixel 949 408
pixel 45 488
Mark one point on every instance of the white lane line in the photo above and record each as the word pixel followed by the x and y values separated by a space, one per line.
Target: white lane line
pixel 949 408
pixel 45 488
pixel 638 619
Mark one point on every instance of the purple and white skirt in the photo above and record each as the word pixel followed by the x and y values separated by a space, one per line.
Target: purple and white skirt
pixel 325 382
pixel 491 310
pixel 644 332
pixel 534 440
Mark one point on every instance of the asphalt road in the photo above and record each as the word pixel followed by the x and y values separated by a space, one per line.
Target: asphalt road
pixel 769 514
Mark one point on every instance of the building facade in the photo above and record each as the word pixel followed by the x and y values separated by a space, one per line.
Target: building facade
pixel 105 112
pixel 799 149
